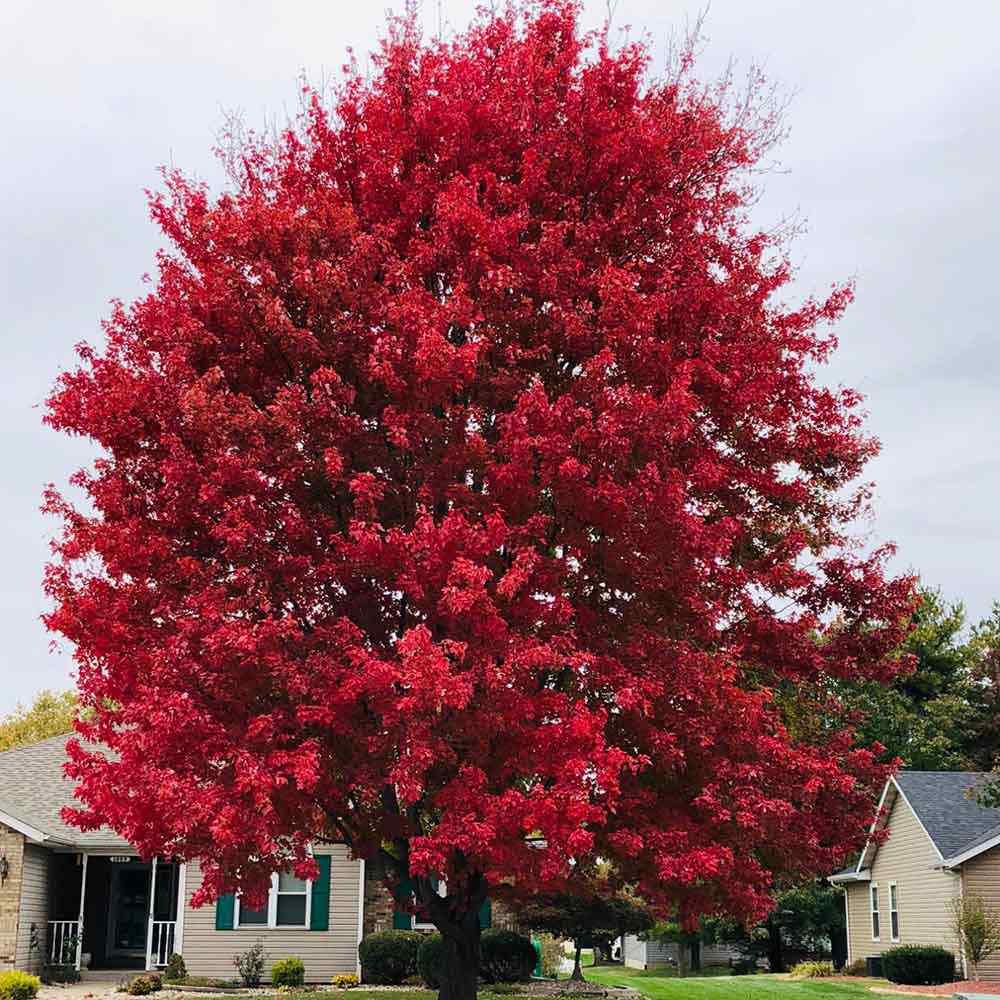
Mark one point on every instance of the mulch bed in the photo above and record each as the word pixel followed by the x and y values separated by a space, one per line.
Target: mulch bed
pixel 564 987
pixel 944 990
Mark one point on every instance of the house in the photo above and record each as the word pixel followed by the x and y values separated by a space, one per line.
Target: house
pixel 941 845
pixel 639 954
pixel 89 899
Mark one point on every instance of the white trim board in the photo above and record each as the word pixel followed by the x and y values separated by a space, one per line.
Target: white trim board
pixel 972 852
pixel 871 830
pixel 361 912
pixel 25 829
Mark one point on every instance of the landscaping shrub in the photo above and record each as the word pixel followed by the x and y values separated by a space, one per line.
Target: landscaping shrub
pixel 812 970
pixel 389 957
pixel 743 967
pixel 16 985
pixel 176 970
pixel 344 981
pixel 142 986
pixel 506 956
pixel 552 954
pixel 60 974
pixel 430 960
pixel 250 964
pixel 859 967
pixel 288 972
pixel 918 965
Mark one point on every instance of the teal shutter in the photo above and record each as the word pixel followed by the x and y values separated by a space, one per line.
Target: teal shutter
pixel 319 913
pixel 401 918
pixel 486 914
pixel 225 912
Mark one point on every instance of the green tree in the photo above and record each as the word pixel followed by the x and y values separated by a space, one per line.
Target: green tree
pixel 592 920
pixel 982 735
pixel 688 943
pixel 806 918
pixel 924 717
pixel 51 713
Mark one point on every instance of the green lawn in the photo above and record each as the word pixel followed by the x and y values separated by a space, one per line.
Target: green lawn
pixel 657 984
pixel 664 985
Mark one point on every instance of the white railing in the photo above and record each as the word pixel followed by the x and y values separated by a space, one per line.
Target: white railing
pixel 63 937
pixel 162 946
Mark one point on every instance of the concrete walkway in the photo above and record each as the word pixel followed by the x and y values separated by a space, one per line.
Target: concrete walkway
pixel 78 991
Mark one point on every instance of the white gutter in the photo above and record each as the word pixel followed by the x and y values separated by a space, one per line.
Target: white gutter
pixel 844 877
pixel 972 852
pixel 23 828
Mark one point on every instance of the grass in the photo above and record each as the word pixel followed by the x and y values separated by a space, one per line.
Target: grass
pixel 656 984
pixel 661 984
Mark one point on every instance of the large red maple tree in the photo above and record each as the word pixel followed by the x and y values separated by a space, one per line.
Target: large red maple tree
pixel 466 478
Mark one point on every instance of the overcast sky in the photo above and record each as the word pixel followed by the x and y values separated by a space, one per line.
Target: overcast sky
pixel 893 160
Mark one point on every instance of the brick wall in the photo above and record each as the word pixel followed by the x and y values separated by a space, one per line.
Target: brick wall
pixel 11 847
pixel 379 904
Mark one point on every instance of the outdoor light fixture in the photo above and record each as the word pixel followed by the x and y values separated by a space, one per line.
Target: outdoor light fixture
pixel 4 868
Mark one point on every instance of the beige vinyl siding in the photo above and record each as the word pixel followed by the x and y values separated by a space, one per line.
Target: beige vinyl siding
pixel 34 907
pixel 208 952
pixel 981 877
pixel 634 956
pixel 658 954
pixel 924 892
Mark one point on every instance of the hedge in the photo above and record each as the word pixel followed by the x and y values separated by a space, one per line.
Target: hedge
pixel 506 957
pixel 389 957
pixel 912 964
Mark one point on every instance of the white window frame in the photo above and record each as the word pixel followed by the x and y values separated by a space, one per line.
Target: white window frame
pixel 875 910
pixel 893 911
pixel 272 910
pixel 426 925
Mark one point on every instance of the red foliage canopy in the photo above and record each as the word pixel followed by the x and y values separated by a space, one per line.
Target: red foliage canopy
pixel 465 479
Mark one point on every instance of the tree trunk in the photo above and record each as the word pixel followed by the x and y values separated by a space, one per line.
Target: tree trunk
pixel 682 959
pixel 460 975
pixel 696 956
pixel 577 967
pixel 775 957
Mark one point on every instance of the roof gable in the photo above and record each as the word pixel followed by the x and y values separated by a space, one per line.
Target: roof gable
pixel 945 804
pixel 34 791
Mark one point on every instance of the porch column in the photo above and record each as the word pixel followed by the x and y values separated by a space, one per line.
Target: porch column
pixel 181 893
pixel 152 908
pixel 79 925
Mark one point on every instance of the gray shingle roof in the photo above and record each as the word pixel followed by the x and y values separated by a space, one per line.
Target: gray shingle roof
pixel 34 790
pixel 950 814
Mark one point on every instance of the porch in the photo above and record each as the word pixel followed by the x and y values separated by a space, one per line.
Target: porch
pixel 113 912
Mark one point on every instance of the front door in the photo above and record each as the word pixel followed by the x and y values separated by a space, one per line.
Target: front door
pixel 128 911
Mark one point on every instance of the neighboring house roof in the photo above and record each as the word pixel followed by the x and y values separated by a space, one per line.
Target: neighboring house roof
pixel 945 806
pixel 34 791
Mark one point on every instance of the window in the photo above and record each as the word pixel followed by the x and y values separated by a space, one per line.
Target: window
pixel 292 901
pixel 288 905
pixel 893 911
pixel 876 929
